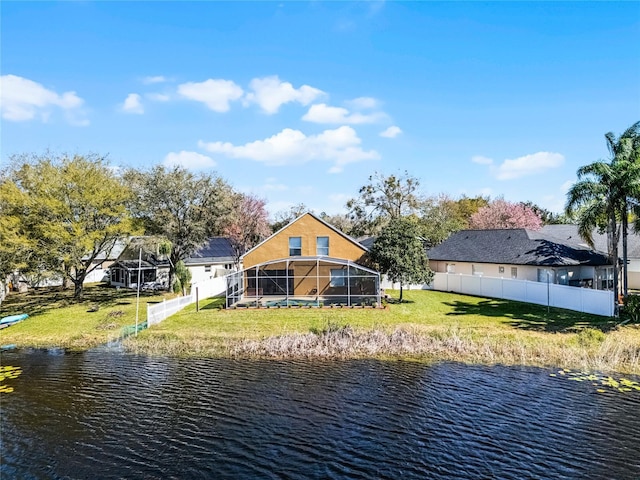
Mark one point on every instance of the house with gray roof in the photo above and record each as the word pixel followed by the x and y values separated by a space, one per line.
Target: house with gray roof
pixel 215 258
pixel 522 254
pixel 569 234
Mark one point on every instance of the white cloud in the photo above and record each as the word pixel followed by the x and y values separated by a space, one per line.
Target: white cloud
pixel 292 147
pixel 271 185
pixel 271 93
pixel 189 160
pixel 391 132
pixel 564 188
pixel 215 94
pixel 323 113
pixel 22 99
pixel 154 79
pixel 479 159
pixel 340 198
pixel 528 165
pixel 133 104
pixel 363 103
pixel 158 97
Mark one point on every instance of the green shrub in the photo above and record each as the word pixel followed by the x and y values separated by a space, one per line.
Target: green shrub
pixel 632 307
pixel 590 337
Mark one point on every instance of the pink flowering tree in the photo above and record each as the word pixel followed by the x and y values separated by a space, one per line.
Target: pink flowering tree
pixel 249 224
pixel 503 214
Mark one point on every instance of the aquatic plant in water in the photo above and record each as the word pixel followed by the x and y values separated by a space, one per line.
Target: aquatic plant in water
pixel 7 372
pixel 621 384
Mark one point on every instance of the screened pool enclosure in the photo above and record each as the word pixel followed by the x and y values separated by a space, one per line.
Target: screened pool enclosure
pixel 304 281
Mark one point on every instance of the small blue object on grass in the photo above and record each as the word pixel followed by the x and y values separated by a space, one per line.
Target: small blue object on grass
pixel 11 319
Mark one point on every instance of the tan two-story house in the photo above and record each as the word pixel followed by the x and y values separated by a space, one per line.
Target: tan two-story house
pixel 307 262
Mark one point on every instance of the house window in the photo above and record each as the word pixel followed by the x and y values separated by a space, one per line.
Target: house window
pixel 322 245
pixel 476 270
pixel 546 275
pixel 500 269
pixel 514 272
pixel 295 246
pixel 563 276
pixel 338 277
pixel 207 268
pixel 451 268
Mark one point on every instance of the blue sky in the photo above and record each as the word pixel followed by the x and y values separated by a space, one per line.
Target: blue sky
pixel 301 102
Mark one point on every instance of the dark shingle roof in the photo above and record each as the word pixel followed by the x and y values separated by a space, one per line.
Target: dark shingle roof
pixel 366 242
pixel 513 246
pixel 569 234
pixel 217 249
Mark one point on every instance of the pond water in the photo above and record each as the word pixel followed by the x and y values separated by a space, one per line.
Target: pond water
pixel 108 415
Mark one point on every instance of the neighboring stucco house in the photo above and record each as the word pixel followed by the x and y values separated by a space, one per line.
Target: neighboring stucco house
pixel 569 234
pixel 214 259
pixel 522 254
pixel 307 262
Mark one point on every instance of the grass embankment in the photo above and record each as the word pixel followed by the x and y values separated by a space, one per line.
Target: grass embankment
pixel 57 320
pixel 429 325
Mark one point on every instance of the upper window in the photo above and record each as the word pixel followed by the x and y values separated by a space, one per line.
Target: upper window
pixel 207 268
pixel 322 245
pixel 295 246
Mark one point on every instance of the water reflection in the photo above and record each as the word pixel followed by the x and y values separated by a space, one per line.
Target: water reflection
pixel 74 415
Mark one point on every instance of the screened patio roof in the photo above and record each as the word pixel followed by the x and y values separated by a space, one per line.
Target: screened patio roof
pixel 319 258
pixel 257 283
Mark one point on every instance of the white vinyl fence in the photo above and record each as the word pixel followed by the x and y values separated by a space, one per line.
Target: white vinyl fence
pixel 211 288
pixel 598 302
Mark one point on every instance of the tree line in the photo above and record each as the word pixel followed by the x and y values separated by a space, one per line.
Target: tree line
pixel 60 214
pixel 605 198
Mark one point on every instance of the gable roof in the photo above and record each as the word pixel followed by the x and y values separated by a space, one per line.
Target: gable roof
pixel 217 249
pixel 339 232
pixel 514 246
pixel 569 234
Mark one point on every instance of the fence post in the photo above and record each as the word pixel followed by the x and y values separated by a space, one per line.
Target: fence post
pixel 197 302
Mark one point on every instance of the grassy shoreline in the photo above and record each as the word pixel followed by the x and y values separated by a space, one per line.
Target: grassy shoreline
pixel 430 326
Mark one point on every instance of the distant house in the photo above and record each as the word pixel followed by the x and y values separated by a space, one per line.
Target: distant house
pixel 214 259
pixel 104 260
pixel 152 269
pixel 307 262
pixel 569 234
pixel 522 254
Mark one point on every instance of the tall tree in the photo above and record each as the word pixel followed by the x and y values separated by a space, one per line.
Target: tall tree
pixel 249 224
pixel 183 207
pixel 547 216
pixel 285 217
pixel 381 200
pixel 339 220
pixel 399 253
pixel 441 216
pixel 503 214
pixel 61 212
pixel 606 191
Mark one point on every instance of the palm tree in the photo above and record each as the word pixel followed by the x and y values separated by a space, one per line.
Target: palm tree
pixel 605 192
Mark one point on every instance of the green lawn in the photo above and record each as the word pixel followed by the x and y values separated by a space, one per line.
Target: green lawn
pixel 438 325
pixel 56 320
pixel 463 328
